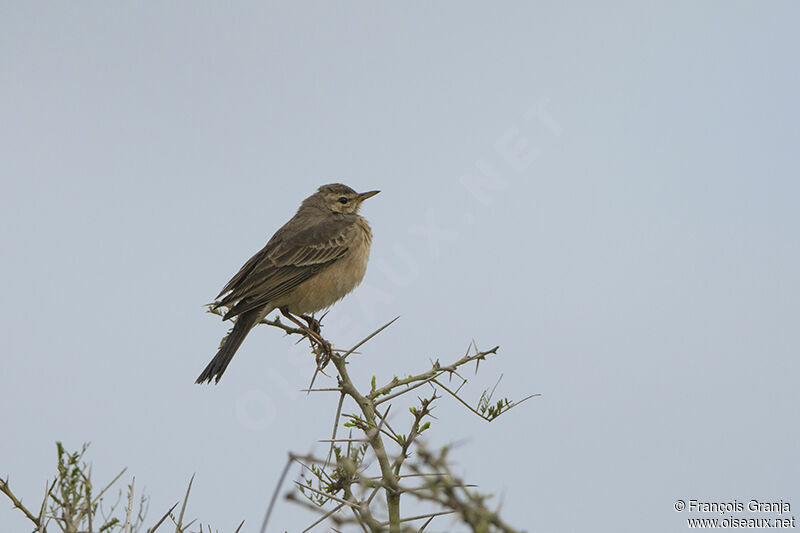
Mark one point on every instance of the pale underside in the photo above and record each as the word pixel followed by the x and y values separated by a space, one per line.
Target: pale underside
pixel 305 272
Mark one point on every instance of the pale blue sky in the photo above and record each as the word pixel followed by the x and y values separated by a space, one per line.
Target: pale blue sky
pixel 607 191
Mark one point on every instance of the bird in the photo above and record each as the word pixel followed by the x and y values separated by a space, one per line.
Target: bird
pixel 314 260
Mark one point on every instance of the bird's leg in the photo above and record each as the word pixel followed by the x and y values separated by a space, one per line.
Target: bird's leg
pixel 324 349
pixel 313 323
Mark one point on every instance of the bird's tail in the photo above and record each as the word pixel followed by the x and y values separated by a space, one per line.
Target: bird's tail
pixel 244 323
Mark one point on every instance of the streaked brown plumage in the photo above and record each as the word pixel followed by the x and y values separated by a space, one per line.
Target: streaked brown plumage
pixel 310 263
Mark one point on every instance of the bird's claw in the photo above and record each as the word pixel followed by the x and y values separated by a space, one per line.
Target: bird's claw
pixel 323 352
pixel 313 323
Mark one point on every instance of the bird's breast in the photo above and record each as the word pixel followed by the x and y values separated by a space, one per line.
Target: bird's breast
pixel 335 281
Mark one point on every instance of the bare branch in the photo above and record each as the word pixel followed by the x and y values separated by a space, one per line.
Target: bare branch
pixel 5 489
pixel 275 493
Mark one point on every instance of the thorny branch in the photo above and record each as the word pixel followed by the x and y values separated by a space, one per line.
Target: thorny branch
pixel 339 484
pixel 69 504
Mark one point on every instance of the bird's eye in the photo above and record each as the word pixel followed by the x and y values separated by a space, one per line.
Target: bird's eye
pixel 342 200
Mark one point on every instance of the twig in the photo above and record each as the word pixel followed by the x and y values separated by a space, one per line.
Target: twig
pixel 5 489
pixel 179 525
pixel 158 524
pixel 431 516
pixel 116 478
pixel 434 372
pixel 368 337
pixel 130 507
pixel 324 517
pixel 335 426
pixel 47 491
pixel 465 404
pixel 275 493
pixel 329 496
pixel 427 522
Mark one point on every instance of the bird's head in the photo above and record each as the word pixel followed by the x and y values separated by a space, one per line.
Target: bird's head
pixel 341 198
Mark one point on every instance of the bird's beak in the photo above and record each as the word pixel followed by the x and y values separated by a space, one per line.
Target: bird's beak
pixel 364 195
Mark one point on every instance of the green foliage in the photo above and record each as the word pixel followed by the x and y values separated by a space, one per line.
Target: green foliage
pixel 489 411
pixel 317 482
pixel 71 505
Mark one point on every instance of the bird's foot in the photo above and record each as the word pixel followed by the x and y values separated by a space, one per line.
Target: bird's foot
pixel 313 323
pixel 323 351
pixel 322 348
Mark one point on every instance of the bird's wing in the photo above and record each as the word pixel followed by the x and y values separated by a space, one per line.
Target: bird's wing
pixel 286 261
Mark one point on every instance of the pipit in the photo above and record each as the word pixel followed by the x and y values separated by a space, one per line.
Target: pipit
pixel 313 261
